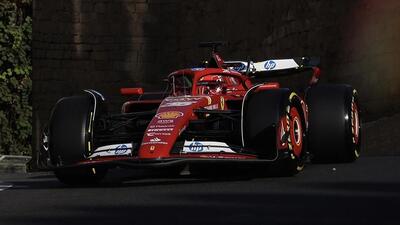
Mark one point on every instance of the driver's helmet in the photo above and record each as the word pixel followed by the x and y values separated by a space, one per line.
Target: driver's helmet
pixel 214 84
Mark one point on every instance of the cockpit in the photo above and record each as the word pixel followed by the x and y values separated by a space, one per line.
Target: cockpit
pixel 181 84
pixel 210 84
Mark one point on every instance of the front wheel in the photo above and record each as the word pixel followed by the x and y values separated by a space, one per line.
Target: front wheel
pixel 293 127
pixel 274 127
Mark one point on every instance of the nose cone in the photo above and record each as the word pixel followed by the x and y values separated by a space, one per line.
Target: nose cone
pixel 170 121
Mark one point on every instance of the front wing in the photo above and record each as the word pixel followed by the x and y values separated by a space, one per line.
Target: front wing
pixel 175 160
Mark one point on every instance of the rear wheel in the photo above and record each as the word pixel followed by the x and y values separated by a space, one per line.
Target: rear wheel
pixel 334 123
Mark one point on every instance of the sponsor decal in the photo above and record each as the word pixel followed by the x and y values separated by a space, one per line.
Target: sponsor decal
pixel 121 149
pixel 162 126
pixel 157 134
pixel 197 69
pixel 206 147
pixel 164 121
pixel 212 107
pixel 269 65
pixel 160 130
pixel 155 143
pixel 152 148
pixel 155 139
pixel 176 104
pixel 182 99
pixel 165 126
pixel 240 67
pixel 113 150
pixel 196 147
pixel 169 115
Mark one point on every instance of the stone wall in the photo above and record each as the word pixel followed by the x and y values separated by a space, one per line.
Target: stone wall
pixel 107 44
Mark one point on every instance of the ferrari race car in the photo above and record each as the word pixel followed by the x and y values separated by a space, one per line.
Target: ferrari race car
pixel 210 115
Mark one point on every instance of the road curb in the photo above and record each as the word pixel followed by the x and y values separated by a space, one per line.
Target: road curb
pixel 13 163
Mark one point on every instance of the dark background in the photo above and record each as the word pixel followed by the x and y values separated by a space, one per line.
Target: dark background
pixel 108 44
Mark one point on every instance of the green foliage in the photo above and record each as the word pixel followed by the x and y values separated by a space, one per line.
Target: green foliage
pixel 15 81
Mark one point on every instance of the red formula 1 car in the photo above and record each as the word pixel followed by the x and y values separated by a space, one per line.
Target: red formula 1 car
pixel 209 115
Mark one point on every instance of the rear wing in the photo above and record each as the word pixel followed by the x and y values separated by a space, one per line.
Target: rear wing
pixel 277 66
pixel 271 65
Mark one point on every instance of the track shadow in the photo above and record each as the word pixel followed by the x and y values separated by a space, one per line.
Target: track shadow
pixel 228 208
pixel 123 179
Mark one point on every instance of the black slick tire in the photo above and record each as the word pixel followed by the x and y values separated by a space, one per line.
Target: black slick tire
pixel 70 140
pixel 334 123
pixel 268 129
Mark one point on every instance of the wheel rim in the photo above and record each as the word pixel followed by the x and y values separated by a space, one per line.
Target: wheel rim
pixel 296 132
pixel 355 123
pixel 282 132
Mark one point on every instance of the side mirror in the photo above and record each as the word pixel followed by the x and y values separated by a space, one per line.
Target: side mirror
pixel 131 91
pixel 268 86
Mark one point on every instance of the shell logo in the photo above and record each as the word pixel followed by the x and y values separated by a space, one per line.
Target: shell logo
pixel 169 115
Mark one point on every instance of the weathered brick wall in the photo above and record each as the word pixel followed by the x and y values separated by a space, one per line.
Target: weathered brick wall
pixel 85 44
pixel 106 44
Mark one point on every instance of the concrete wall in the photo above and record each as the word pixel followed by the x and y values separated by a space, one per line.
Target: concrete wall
pixel 107 44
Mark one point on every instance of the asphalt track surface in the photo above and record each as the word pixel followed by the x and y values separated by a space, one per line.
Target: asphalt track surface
pixel 365 192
